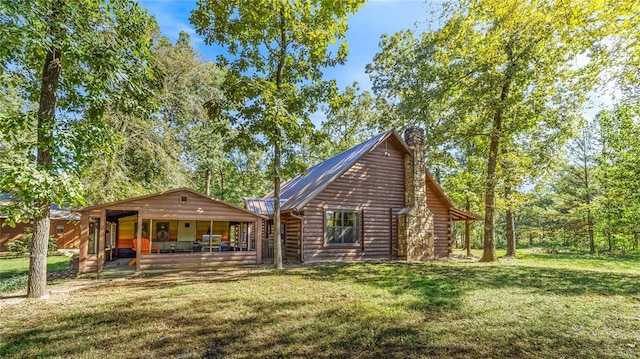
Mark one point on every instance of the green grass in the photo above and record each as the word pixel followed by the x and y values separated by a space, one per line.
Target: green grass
pixel 529 308
pixel 14 269
pixel 629 261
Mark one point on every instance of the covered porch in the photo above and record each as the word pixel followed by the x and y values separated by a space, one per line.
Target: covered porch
pixel 458 215
pixel 169 229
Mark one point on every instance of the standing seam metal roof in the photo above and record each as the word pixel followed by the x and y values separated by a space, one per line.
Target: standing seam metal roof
pixel 261 205
pixel 304 187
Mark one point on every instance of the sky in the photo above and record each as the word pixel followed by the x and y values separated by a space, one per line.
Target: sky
pixel 365 28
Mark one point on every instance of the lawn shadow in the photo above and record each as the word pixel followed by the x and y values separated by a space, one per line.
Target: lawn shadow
pixel 157 319
pixel 439 287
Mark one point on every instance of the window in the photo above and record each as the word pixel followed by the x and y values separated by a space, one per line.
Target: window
pixel 341 227
pixel 183 198
pixel 94 234
pixel 59 229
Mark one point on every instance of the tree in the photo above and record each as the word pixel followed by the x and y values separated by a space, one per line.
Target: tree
pixel 153 151
pixel 277 50
pixel 85 55
pixel 191 106
pixel 500 71
pixel 579 184
pixel 620 172
pixel 352 117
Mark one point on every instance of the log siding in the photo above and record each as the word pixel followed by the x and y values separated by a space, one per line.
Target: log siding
pixel 293 234
pixel 441 221
pixel 159 261
pixel 371 186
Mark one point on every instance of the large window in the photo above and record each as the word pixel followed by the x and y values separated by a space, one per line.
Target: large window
pixel 341 227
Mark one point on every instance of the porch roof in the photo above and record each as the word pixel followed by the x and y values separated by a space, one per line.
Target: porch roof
pixel 456 213
pixel 142 201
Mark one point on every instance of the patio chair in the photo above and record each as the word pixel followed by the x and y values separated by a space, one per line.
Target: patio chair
pixel 145 249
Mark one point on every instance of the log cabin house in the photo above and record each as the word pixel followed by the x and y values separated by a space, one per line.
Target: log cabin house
pixel 374 201
pixel 183 227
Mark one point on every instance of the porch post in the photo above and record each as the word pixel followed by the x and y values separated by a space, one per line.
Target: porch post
pixel 211 237
pixel 101 239
pixel 248 236
pixel 139 240
pixel 258 239
pixel 450 235
pixel 84 242
pixel 150 232
pixel 467 237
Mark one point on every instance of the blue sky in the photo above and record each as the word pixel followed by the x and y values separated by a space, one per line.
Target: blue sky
pixel 365 28
pixel 375 18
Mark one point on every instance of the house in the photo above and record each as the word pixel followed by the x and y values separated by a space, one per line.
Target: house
pixel 182 227
pixel 373 201
pixel 64 227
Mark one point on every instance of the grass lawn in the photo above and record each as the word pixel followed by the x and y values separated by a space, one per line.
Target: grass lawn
pixel 13 270
pixel 526 308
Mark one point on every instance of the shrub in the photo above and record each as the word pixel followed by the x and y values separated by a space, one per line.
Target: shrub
pixel 23 245
pixel 14 283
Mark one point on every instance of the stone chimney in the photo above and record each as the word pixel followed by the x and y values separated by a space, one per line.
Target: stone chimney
pixel 419 235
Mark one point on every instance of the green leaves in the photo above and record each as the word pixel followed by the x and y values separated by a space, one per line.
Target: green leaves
pixel 513 72
pixel 105 53
pixel 30 185
pixel 278 50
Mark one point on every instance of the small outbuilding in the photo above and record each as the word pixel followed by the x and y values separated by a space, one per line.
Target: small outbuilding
pixel 64 228
pixel 180 227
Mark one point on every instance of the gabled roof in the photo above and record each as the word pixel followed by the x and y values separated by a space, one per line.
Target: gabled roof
pixel 185 189
pixel 297 192
pixel 304 187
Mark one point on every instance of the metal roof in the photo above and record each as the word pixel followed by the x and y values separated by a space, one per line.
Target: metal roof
pixel 297 192
pixel 63 214
pixel 261 205
pixel 304 187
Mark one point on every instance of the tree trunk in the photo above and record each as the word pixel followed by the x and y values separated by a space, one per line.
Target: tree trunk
pixel 489 253
pixel 635 241
pixel 277 257
pixel 610 241
pixel 530 239
pixel 37 282
pixel 208 181
pixel 511 234
pixel 586 181
pixel 592 244
pixel 222 183
pixel 467 238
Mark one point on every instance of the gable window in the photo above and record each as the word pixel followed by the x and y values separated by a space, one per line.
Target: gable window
pixel 59 229
pixel 341 227
pixel 183 198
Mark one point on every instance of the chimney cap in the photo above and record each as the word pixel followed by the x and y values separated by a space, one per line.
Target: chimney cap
pixel 414 135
